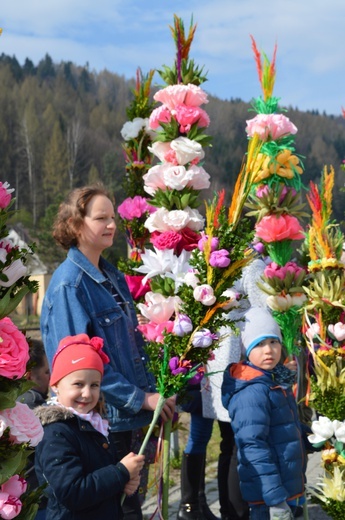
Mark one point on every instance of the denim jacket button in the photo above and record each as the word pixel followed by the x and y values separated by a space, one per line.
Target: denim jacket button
pixel 107 320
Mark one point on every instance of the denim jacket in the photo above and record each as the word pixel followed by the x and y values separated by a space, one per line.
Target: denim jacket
pixel 78 301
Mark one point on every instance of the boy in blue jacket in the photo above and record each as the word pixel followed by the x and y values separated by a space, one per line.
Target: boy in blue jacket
pixel 258 396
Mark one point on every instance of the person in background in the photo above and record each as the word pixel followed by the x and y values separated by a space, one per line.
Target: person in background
pixel 269 437
pixel 76 458
pixel 89 295
pixel 205 406
pixel 39 374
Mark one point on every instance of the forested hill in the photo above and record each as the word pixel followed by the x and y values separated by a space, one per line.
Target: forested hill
pixel 60 128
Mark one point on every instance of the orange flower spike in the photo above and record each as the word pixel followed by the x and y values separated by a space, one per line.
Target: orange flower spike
pixel 220 203
pixel 178 35
pixel 257 56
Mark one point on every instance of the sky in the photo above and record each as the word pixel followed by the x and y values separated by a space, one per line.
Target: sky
pixel 122 35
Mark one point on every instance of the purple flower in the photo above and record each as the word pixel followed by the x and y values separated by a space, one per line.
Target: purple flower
pixel 204 338
pixel 182 325
pixel 195 380
pixel 220 258
pixel 204 239
pixel 175 367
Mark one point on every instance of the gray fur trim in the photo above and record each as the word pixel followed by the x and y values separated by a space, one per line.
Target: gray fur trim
pixel 50 414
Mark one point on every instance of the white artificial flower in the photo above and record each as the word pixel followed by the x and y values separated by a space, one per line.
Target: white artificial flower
pixel 177 177
pixel 157 262
pixel 190 278
pixel 339 430
pixel 200 179
pixel 323 429
pixel 187 150
pixel 164 220
pixel 131 129
pixel 179 267
pixel 13 272
pixel 159 149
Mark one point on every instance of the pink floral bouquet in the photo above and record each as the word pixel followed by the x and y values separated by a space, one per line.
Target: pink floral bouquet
pixel 20 429
pixel 14 282
pixel 274 200
pixel 189 295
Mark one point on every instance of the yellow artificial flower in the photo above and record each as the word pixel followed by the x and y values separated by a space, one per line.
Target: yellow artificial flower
pixel 285 164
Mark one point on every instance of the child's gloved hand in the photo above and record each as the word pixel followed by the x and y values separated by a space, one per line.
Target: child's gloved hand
pixel 281 512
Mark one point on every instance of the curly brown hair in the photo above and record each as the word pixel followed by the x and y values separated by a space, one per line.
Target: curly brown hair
pixel 72 211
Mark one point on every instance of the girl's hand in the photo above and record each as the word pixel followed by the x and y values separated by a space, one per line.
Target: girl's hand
pixel 134 464
pixel 131 486
pixel 151 401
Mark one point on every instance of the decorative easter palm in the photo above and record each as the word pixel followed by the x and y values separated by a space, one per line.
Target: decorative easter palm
pixel 324 328
pixel 193 263
pixel 20 430
pixel 275 201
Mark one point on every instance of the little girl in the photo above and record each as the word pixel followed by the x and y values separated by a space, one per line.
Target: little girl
pixel 75 457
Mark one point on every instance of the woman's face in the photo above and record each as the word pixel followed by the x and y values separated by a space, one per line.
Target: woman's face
pixel 98 228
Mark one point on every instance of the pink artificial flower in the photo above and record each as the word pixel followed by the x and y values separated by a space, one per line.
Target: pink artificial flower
pixel 175 95
pixel 5 248
pixel 220 258
pixel 182 325
pixel 154 331
pixel 204 239
pixel 273 228
pixel 274 270
pixel 134 207
pixel 14 486
pixel 5 194
pixel 23 423
pixel 204 294
pixel 285 192
pixel 10 506
pixel 159 115
pixel 270 126
pixel 154 178
pixel 137 289
pixel 14 272
pixel 158 308
pixel 186 116
pixel 338 331
pixel 312 331
pixel 204 338
pixel 262 190
pixel 14 350
pixel 165 240
pixel 160 149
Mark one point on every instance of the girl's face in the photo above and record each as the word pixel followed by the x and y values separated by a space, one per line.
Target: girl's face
pixel 98 228
pixel 79 390
pixel 266 354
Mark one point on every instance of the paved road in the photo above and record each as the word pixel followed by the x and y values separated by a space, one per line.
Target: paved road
pixel 315 512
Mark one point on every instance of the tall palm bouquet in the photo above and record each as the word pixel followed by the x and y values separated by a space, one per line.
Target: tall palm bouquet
pixel 20 429
pixel 194 260
pixel 324 330
pixel 275 201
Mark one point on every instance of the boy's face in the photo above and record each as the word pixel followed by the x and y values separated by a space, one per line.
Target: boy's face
pixel 266 354
pixel 40 376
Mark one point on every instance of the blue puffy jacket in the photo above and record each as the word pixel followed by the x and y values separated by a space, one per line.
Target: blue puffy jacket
pixel 78 301
pixel 268 434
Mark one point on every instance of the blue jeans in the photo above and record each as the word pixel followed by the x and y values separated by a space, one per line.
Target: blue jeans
pixel 199 434
pixel 260 512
